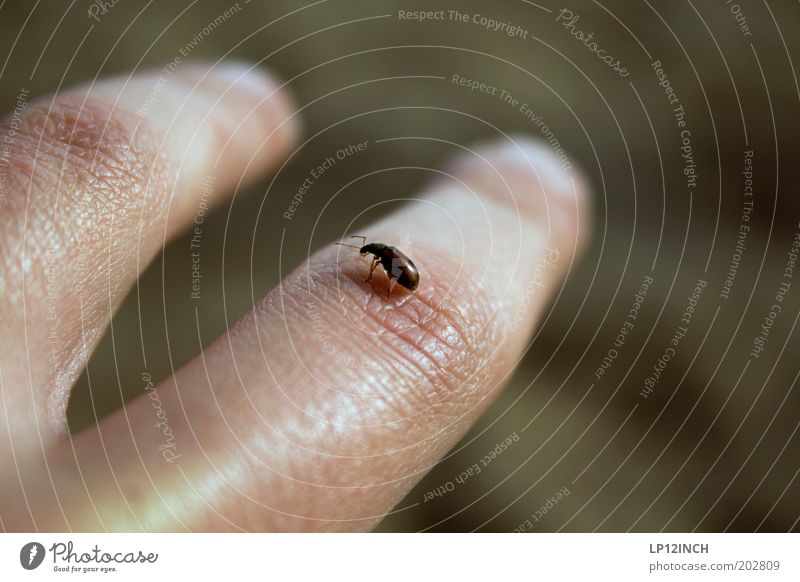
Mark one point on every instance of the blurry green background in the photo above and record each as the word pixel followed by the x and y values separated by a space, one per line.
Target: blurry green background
pixel 704 451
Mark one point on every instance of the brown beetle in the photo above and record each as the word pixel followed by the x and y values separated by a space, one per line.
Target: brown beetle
pixel 398 266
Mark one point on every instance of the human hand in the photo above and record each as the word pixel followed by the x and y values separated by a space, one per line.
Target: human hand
pixel 272 427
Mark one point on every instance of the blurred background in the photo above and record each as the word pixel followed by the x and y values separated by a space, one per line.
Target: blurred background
pixel 713 445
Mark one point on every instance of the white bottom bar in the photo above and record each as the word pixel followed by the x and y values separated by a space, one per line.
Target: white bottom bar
pixel 401 557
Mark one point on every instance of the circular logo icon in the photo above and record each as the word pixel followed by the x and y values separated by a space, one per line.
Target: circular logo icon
pixel 31 555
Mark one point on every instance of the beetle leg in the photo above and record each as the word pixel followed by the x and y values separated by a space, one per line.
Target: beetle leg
pixel 375 262
pixel 391 286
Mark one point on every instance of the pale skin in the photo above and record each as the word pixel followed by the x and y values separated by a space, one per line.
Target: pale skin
pixel 271 430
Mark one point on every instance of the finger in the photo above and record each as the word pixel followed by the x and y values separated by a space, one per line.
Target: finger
pixel 96 179
pixel 327 403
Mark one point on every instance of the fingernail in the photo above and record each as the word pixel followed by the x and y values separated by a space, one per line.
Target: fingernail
pixel 246 77
pixel 552 168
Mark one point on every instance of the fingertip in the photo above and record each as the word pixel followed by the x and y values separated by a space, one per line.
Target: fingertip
pixel 542 184
pixel 232 120
pixel 251 120
pixel 271 99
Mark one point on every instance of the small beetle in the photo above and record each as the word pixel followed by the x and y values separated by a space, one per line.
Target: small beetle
pixel 398 266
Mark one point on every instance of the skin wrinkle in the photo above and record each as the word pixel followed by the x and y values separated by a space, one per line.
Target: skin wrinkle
pixel 279 456
pixel 216 488
pixel 296 286
pixel 96 145
pixel 443 367
pixel 426 345
pixel 240 467
pixel 87 173
pixel 269 492
pixel 173 496
pixel 323 506
pixel 107 179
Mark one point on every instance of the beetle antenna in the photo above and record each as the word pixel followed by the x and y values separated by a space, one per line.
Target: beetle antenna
pixel 363 242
